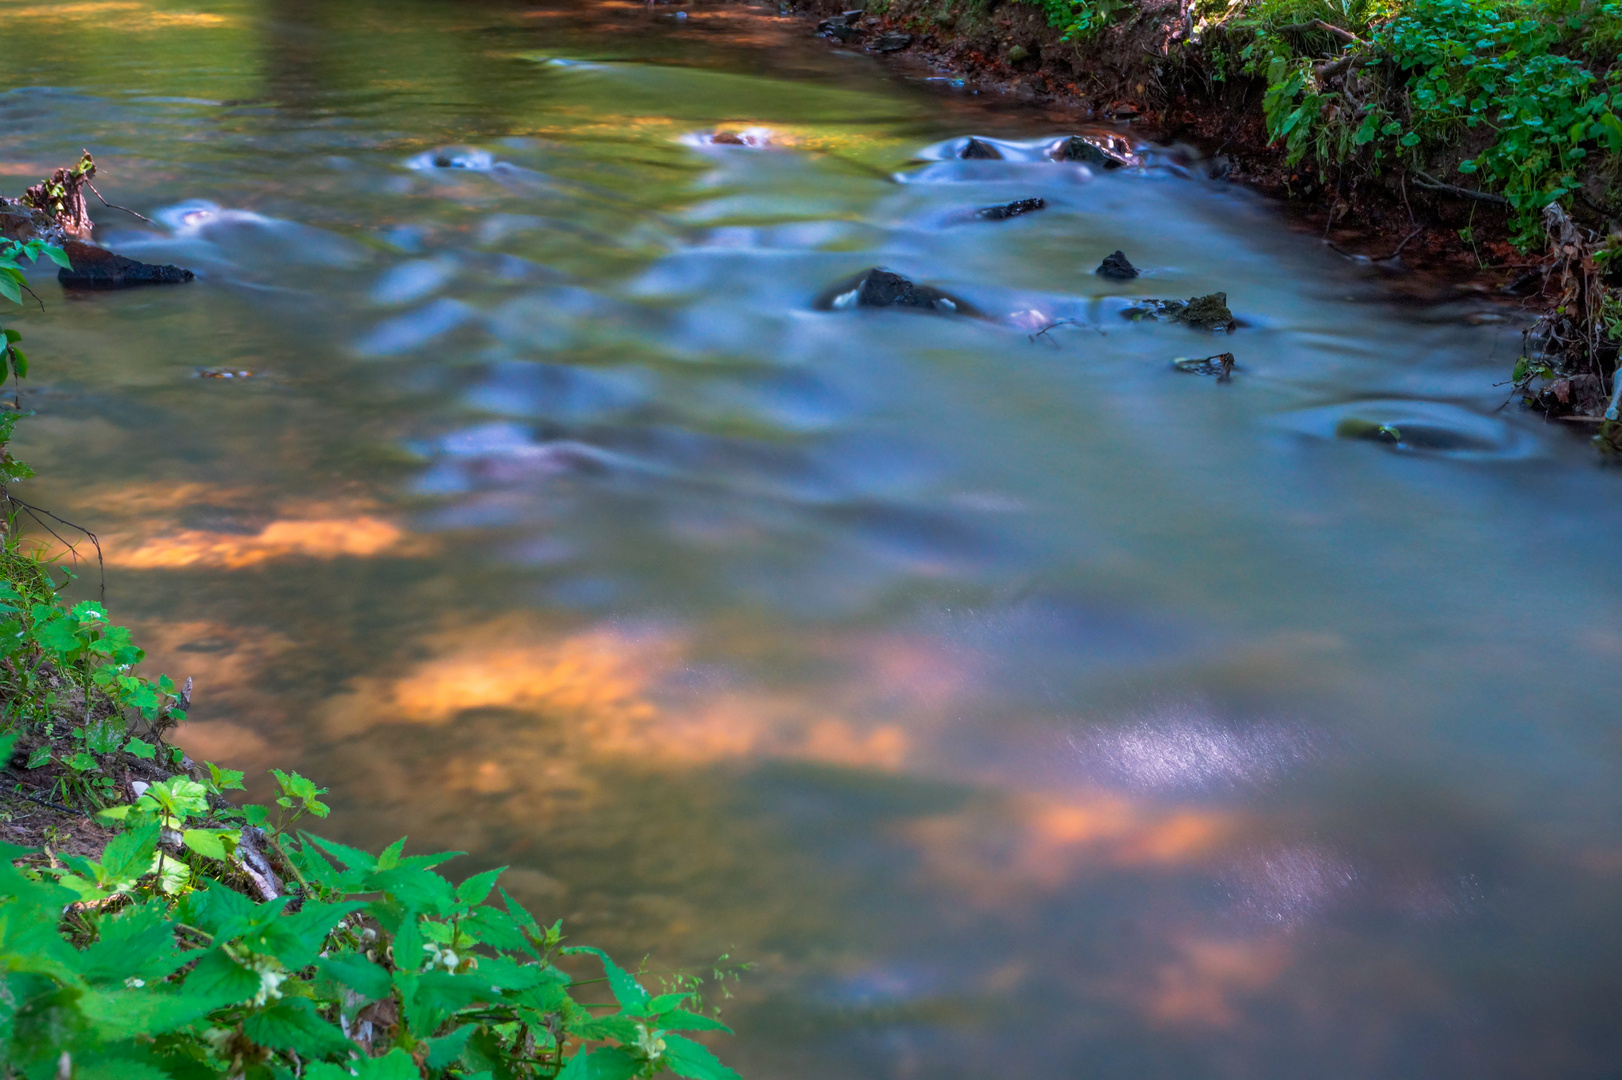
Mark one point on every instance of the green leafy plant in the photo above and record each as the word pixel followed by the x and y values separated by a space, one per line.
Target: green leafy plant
pixel 1396 83
pixel 377 967
pixel 1081 19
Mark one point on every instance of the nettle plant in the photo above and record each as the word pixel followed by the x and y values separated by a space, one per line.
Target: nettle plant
pixel 58 662
pixel 372 966
pixel 1429 72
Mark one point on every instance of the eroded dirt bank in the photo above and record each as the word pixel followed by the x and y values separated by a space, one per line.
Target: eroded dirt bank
pixel 1148 72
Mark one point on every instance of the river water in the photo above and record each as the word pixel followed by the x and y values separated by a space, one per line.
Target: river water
pixel 1017 704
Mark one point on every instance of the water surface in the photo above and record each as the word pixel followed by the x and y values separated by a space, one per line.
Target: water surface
pixel 1019 705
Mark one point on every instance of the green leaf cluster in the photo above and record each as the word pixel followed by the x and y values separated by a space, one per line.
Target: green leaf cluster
pixel 1530 83
pixel 370 966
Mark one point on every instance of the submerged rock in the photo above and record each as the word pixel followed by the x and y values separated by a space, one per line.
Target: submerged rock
pixel 1014 209
pixel 98 268
pixel 1208 312
pixel 882 288
pixel 1117 267
pixel 1221 365
pixel 979 150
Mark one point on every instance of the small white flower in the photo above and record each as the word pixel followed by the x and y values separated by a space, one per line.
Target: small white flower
pixel 271 977
pixel 133 983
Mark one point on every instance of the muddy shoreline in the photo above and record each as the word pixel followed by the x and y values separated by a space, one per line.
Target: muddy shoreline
pixel 1133 76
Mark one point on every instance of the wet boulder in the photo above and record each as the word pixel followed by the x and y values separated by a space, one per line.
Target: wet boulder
pixel 1209 312
pixel 98 268
pixel 842 27
pixel 889 43
pixel 879 288
pixel 1099 151
pixel 1117 267
pixel 979 150
pixel 1014 209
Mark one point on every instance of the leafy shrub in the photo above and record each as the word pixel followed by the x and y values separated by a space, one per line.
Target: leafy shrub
pixel 1082 18
pixel 1423 74
pixel 373 966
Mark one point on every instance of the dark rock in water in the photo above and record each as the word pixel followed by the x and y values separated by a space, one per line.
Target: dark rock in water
pixel 843 32
pixel 979 150
pixel 727 138
pixel 1116 267
pixel 1201 312
pixel 888 43
pixel 1014 209
pixel 98 268
pixel 1209 312
pixel 882 288
pixel 1094 152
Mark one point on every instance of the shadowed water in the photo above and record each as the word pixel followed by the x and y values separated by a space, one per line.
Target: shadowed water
pixel 1019 704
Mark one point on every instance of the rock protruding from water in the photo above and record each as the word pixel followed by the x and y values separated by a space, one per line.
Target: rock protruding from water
pixel 1208 312
pixel 979 150
pixel 889 43
pixel 1101 152
pixel 878 288
pixel 98 268
pixel 1117 267
pixel 1015 209
pixel 844 26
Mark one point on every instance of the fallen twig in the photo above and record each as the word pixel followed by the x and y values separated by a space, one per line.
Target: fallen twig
pixel 1318 24
pixel 35 512
pixel 42 802
pixel 115 206
pixel 1425 180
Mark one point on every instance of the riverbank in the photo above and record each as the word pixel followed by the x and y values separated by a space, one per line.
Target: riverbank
pixel 1423 139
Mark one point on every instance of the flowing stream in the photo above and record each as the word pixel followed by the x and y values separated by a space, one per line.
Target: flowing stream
pixel 1019 705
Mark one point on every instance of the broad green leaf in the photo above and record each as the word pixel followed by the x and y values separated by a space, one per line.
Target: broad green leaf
pixel 608 1063
pixel 495 928
pixel 665 1003
pixel 129 855
pixel 174 876
pixel 116 1065
pixel 124 1014
pixel 510 976
pixel 293 1024
pixel 444 1051
pixel 416 889
pixel 682 1020
pixel 477 887
pixel 390 857
pixel 221 911
pixel 347 857
pixel 6 743
pixel 627 991
pixel 224 779
pixel 395 1065
pixel 520 916
pixel 212 843
pixel 141 749
pixel 435 995
pixel 295 939
pixel 357 973
pixel 29 941
pixel 222 979
pixel 684 1057
pixel 137 942
pixel 56 255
